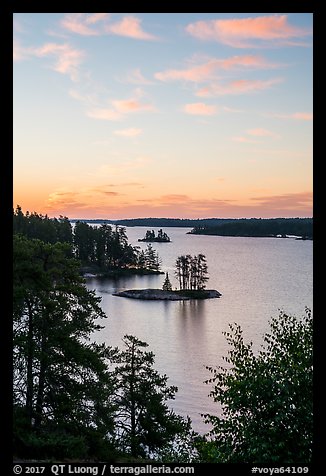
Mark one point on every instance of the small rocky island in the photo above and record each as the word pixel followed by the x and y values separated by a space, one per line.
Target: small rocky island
pixel 191 272
pixel 162 295
pixel 161 237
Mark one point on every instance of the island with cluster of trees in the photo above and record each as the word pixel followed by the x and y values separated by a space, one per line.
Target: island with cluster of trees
pixel 151 237
pixel 192 275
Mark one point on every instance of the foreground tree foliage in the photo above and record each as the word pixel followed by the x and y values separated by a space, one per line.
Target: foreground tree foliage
pixel 266 398
pixel 145 426
pixel 62 387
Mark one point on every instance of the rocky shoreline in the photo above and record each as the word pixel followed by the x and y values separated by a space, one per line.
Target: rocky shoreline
pixel 160 295
pixel 116 273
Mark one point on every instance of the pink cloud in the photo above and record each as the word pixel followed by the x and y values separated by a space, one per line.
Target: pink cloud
pixel 247 61
pixel 104 114
pixel 295 201
pixel 245 140
pixel 241 86
pixel 78 199
pixel 174 198
pixel 103 190
pixel 80 23
pixel 257 132
pixel 100 24
pixel 291 204
pixel 95 17
pixel 131 132
pixel 299 116
pixel 131 27
pixel 196 73
pixel 248 32
pixel 120 108
pixel 131 105
pixel 83 204
pixel 206 71
pixel 67 58
pixel 302 116
pixel 200 109
pixel 260 132
pixel 136 77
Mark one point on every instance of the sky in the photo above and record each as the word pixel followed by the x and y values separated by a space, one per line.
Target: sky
pixel 187 115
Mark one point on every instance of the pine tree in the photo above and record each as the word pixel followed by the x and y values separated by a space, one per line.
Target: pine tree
pixel 144 421
pixel 61 383
pixel 167 286
pixel 202 271
pixel 84 235
pixel 178 271
pixel 191 272
pixel 141 260
pixel 153 262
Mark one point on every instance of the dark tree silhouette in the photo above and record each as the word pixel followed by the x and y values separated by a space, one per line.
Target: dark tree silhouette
pixel 191 272
pixel 61 383
pixel 167 286
pixel 266 398
pixel 144 421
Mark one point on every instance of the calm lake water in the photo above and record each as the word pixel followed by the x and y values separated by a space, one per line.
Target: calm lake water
pixel 256 276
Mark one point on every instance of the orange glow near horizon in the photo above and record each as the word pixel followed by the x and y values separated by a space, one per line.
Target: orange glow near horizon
pixel 86 205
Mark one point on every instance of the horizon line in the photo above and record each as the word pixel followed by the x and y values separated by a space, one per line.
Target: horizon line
pixel 193 219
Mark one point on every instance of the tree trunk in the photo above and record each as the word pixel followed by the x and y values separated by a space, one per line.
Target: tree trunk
pixel 30 358
pixel 42 374
pixel 133 442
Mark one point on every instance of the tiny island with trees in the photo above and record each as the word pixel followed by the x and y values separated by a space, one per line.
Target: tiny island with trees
pixel 151 237
pixel 192 275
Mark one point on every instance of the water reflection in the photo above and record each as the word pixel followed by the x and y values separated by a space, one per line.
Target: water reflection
pixel 191 326
pixel 192 309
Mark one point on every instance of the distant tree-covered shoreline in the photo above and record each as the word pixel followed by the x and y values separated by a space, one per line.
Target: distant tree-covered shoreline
pixel 220 226
pixel 260 227
pixel 155 222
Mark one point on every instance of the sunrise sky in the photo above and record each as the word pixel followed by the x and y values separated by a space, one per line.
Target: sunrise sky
pixel 163 115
